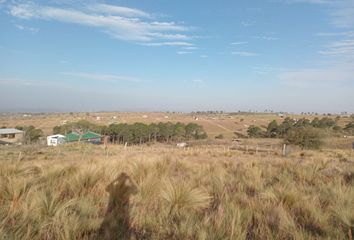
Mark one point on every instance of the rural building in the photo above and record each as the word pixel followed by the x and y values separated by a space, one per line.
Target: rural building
pixel 182 145
pixel 72 137
pixel 55 140
pixel 86 137
pixel 11 136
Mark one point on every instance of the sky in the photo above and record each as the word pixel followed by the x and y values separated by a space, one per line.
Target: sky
pixel 169 55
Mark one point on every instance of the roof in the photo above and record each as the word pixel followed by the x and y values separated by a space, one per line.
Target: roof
pixel 56 136
pixel 9 131
pixel 90 135
pixel 72 137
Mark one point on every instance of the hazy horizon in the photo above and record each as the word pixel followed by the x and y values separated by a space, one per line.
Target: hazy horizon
pixel 283 55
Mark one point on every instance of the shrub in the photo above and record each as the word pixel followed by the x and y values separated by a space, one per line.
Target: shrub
pixel 220 136
pixel 349 128
pixel 306 137
pixel 273 129
pixel 32 134
pixel 255 132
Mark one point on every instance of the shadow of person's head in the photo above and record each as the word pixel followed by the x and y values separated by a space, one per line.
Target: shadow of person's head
pixel 122 188
pixel 116 223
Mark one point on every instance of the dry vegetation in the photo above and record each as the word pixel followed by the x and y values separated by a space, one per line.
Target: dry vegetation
pixel 79 192
pixel 214 124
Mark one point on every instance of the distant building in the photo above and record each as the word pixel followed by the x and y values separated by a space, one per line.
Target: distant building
pixel 11 136
pixel 55 140
pixel 182 145
pixel 86 137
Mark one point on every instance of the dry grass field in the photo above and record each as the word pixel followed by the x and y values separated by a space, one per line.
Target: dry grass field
pixel 213 189
pixel 214 124
pixel 85 191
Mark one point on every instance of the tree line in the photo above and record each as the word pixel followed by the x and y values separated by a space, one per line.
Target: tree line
pixel 302 132
pixel 138 133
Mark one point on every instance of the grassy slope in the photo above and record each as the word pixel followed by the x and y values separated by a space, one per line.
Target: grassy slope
pixel 61 193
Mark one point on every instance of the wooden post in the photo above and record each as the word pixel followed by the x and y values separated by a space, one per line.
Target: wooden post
pixel 284 150
pixel 125 145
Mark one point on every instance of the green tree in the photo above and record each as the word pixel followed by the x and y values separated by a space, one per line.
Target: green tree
pixel 285 126
pixel 153 131
pixel 307 137
pixel 315 122
pixel 179 131
pixel 327 122
pixel 31 134
pixel 273 129
pixel 255 132
pixel 303 122
pixel 349 128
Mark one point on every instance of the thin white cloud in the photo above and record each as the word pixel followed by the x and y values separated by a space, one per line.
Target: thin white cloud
pixel 246 24
pixel 318 77
pixel 336 34
pixel 307 1
pixel 264 70
pixel 191 48
pixel 120 22
pixel 170 36
pixel 184 52
pixel 341 11
pixel 25 28
pixel 204 56
pixel 102 77
pixel 343 17
pixel 168 44
pixel 10 81
pixel 118 10
pixel 198 80
pixel 266 38
pixel 343 48
pixel 239 43
pixel 245 54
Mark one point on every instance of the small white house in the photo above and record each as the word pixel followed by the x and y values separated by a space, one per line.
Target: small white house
pixel 55 140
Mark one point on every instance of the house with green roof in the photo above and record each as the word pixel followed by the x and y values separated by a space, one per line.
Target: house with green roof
pixel 72 137
pixel 89 136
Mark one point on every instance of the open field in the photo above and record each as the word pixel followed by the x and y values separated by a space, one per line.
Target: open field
pixel 213 189
pixel 213 124
pixel 161 192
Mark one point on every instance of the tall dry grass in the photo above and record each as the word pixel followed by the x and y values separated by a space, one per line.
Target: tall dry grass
pixel 50 193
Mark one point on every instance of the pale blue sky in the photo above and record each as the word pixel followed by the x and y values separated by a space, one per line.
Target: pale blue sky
pixel 285 55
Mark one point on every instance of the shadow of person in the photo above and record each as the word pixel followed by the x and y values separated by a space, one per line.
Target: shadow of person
pixel 116 223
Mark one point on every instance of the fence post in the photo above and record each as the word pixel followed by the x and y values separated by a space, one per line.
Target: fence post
pixel 284 150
